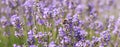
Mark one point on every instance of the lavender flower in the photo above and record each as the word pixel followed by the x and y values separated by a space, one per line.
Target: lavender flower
pixel 29 3
pixel 55 12
pixel 15 45
pixel 39 36
pixel 3 21
pixel 31 39
pixel 33 46
pixel 12 4
pixel 40 21
pixel 52 44
pixel 30 18
pixel 75 18
pixel 105 37
pixel 61 32
pixel 79 8
pixel 66 40
pixel 80 34
pixel 59 23
pixel 95 41
pixel 19 33
pixel 69 16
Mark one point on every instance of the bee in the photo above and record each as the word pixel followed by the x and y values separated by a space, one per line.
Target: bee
pixel 65 21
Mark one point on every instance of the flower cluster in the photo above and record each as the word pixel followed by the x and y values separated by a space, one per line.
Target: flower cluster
pixel 59 23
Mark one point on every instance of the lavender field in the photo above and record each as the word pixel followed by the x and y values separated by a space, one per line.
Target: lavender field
pixel 59 23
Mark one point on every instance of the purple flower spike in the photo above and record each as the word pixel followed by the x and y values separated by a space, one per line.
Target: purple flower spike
pixel 29 3
pixel 52 44
pixel 3 21
pixel 31 39
pixel 61 32
pixel 33 46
